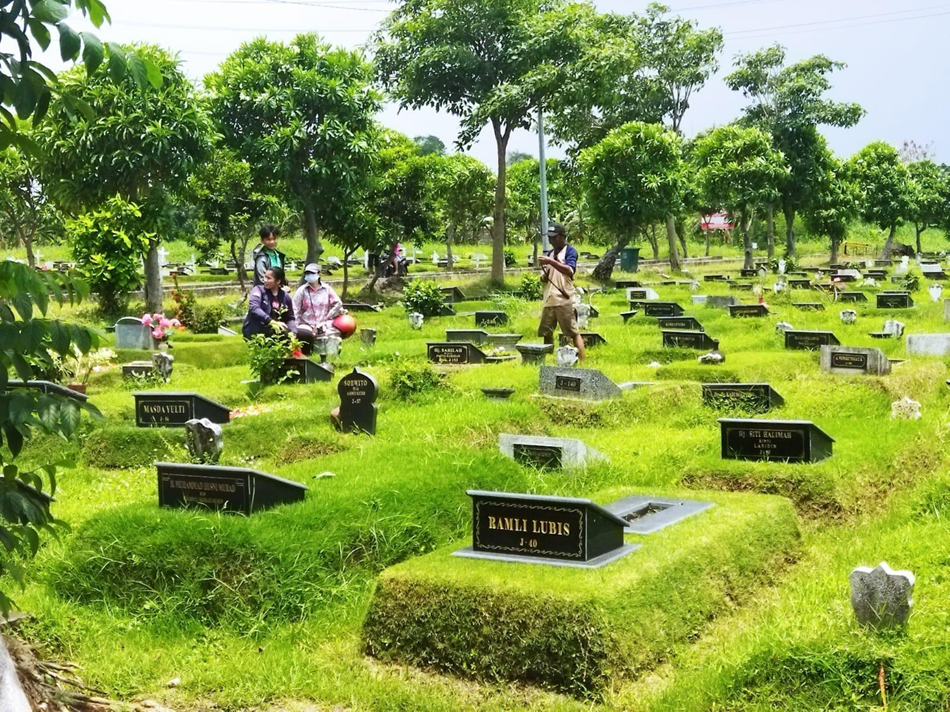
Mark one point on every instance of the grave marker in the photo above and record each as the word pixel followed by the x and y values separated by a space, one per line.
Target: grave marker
pixel 229 489
pixel 548 453
pixel 561 531
pixel 756 397
pixel 748 310
pixel 852 297
pixel 661 309
pixel 131 333
pixel 809 306
pixel 581 383
pixel 783 440
pixel 881 597
pixel 302 370
pixel 894 300
pixel 171 409
pixel 809 340
pixel 848 360
pixel 689 340
pixel 533 354
pixel 490 318
pixel 681 323
pixel 591 339
pixel 358 392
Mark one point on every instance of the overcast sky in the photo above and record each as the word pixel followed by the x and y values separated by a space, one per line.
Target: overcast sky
pixel 895 50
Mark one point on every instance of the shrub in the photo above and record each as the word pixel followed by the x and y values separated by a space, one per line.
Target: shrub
pixel 530 288
pixel 510 260
pixel 791 264
pixel 207 319
pixel 185 304
pixel 910 282
pixel 266 355
pixel 424 297
pixel 108 244
pixel 410 379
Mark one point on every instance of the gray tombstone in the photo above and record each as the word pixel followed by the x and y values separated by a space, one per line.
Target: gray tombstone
pixel 12 696
pixel 719 301
pixel 881 597
pixel 581 383
pixel 162 364
pixel 368 336
pixel 928 344
pixel 204 440
pixel 849 360
pixel 548 453
pixel 131 333
pixel 946 309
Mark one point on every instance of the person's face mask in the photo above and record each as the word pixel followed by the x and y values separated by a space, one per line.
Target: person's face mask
pixel 310 278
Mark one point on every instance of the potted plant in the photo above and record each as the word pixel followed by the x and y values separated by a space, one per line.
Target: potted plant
pixel 77 367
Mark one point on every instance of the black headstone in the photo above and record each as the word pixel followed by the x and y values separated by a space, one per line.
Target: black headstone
pixel 137 369
pixel 636 294
pixel 228 489
pixel 624 283
pixel 358 392
pixel 452 294
pixel 748 310
pixel 628 315
pixel 894 300
pixel 799 283
pixel 167 409
pixel 541 528
pixel 360 307
pixel 755 397
pixel 682 323
pixel 490 318
pixel 748 272
pixel 809 306
pixel 784 440
pixel 809 340
pixel 543 457
pixel 689 340
pixel 49 388
pixel 590 339
pixel 303 370
pixel 715 278
pixel 852 297
pixel 661 309
pixel 455 353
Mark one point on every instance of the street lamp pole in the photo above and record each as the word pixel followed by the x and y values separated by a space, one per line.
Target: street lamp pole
pixel 544 181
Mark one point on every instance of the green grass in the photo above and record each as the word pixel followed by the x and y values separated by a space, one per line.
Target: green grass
pixel 270 609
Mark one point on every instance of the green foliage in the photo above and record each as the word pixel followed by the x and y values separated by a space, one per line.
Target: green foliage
pixel 413 379
pixel 464 194
pixel 321 168
pixel 28 336
pixel 185 304
pixel 423 296
pixel 834 206
pixel 791 264
pixel 108 245
pixel 28 212
pixel 430 145
pixel 634 177
pixel 510 259
pixel 929 196
pixel 883 186
pixel 266 355
pixel 207 318
pixel 403 197
pixel 530 288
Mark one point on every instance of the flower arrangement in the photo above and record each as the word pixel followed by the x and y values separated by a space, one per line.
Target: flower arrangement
pixel 77 366
pixel 160 326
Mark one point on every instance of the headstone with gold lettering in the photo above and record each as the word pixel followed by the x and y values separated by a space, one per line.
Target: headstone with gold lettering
pixel 775 440
pixel 170 409
pixel 358 392
pixel 850 360
pixel 581 383
pixel 228 489
pixel 561 531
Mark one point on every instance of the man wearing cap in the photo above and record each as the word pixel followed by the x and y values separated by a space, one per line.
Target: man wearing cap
pixel 315 307
pixel 557 304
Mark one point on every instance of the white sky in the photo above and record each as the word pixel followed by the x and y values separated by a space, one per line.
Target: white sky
pixel 897 61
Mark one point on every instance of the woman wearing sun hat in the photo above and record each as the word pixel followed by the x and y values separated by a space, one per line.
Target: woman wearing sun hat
pixel 315 307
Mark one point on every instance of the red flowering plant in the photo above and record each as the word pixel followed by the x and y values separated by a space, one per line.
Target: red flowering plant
pixel 160 326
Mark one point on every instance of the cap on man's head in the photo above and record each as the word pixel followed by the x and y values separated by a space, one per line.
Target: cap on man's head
pixel 556 229
pixel 312 268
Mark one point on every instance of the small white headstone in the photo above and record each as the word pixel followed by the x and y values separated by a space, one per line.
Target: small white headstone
pixel 583 315
pixel 415 320
pixel 905 409
pixel 781 266
pixel 566 356
pixel 894 328
pixel 848 316
pixel 935 291
pixel 783 326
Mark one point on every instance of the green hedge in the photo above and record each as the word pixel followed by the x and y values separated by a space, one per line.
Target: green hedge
pixel 576 629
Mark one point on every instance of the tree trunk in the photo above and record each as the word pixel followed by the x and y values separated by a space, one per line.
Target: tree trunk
pixel 917 229
pixel 889 243
pixel 238 256
pixel 498 227
pixel 834 250
pixel 651 238
pixel 31 258
pixel 153 278
pixel 534 249
pixel 314 246
pixel 449 238
pixel 671 238
pixel 346 271
pixel 682 238
pixel 789 231
pixel 605 267
pixel 747 243
pixel 770 231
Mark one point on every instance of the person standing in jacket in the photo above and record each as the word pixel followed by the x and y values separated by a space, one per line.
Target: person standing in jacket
pixel 557 304
pixel 266 254
pixel 270 309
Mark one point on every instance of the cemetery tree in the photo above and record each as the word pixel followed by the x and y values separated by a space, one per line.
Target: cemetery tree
pixel 301 114
pixel 884 195
pixel 140 144
pixel 740 170
pixel 835 205
pixel 524 189
pixel 930 197
pixel 430 145
pixel 789 103
pixel 403 195
pixel 27 211
pixel 229 205
pixel 28 340
pixel 489 62
pixel 464 189
pixel 633 178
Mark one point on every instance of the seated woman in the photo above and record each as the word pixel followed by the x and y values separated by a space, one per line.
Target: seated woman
pixel 270 309
pixel 315 305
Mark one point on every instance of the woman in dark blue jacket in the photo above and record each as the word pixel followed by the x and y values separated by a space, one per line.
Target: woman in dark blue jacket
pixel 270 309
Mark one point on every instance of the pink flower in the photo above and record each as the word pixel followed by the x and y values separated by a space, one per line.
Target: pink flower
pixel 176 323
pixel 164 323
pixel 147 319
pixel 158 332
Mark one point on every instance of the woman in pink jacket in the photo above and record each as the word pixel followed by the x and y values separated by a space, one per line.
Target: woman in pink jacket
pixel 316 305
